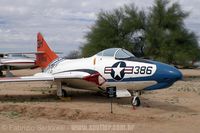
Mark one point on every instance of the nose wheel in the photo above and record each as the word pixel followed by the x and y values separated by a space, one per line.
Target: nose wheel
pixel 64 93
pixel 1 73
pixel 136 101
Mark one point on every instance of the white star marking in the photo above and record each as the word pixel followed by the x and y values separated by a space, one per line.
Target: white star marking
pixel 117 70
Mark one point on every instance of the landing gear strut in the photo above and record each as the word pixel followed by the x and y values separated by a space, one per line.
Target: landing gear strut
pixel 8 73
pixel 60 91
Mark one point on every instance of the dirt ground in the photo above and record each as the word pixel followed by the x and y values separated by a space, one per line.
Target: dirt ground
pixel 33 107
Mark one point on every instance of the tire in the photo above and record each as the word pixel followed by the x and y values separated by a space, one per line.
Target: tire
pixel 64 93
pixel 136 102
pixel 1 74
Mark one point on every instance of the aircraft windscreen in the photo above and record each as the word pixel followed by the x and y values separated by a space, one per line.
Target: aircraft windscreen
pixel 123 54
pixel 116 52
pixel 108 52
pixel 17 56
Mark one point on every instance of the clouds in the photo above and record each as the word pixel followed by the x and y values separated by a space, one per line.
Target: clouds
pixel 64 23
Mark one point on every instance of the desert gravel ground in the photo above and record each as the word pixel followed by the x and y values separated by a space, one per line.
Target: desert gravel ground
pixel 33 107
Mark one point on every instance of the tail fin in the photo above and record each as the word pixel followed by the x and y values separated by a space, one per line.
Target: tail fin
pixel 46 56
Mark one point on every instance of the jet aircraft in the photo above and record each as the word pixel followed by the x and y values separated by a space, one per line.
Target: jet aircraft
pixel 15 61
pixel 113 67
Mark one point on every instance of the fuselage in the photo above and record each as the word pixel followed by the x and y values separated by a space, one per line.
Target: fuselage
pixel 131 73
pixel 18 63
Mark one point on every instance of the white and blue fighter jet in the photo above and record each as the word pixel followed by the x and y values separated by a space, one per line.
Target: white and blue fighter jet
pixel 114 67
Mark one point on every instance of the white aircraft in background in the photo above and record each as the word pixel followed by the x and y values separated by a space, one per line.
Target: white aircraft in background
pixel 114 67
pixel 15 61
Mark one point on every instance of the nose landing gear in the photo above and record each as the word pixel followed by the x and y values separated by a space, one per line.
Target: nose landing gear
pixel 135 101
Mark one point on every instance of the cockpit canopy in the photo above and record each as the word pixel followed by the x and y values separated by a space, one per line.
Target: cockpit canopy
pixel 117 53
pixel 15 55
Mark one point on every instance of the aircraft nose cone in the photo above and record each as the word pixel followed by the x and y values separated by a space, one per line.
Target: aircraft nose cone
pixel 175 74
pixel 168 73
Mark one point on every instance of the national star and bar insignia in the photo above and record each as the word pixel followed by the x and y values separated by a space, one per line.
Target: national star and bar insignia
pixel 118 70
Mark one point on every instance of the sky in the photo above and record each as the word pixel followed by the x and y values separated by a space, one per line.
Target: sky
pixel 64 23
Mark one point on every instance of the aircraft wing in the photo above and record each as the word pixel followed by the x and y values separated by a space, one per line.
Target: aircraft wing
pixel 36 77
pixel 72 78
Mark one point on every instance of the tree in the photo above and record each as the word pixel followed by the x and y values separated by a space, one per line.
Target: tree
pixel 159 34
pixel 167 38
pixel 73 55
pixel 118 28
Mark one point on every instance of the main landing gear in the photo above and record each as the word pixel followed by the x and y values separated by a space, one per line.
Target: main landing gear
pixel 60 91
pixel 135 101
pixel 1 74
pixel 64 93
